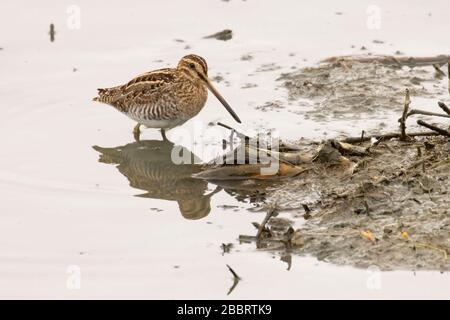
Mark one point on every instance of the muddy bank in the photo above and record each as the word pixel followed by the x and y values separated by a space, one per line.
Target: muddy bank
pixel 353 87
pixel 381 201
pixel 389 209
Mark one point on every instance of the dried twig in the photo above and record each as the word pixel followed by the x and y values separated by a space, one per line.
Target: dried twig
pixel 444 107
pixel 233 272
pixel 442 132
pixel 419 162
pixel 236 279
pixel 438 70
pixel 402 120
pixel 263 225
pixel 427 113
pixel 240 135
pixel 247 238
pixel 388 136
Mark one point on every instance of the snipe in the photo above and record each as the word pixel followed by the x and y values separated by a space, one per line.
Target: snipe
pixel 164 98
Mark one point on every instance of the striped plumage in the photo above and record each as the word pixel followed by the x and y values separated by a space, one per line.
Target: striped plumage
pixel 164 98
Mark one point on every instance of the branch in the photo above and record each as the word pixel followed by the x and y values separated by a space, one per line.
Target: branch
pixel 387 136
pixel 402 120
pixel 434 128
pixel 427 113
pixel 444 107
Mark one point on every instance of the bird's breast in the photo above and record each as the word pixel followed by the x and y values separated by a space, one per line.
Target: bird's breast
pixel 193 100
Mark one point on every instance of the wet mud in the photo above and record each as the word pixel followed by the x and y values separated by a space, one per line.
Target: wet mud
pixel 390 211
pixel 347 88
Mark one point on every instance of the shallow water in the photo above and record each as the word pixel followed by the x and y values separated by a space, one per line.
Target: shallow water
pixel 135 225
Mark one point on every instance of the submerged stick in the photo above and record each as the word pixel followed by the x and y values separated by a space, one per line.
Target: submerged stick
pixel 240 135
pixel 402 120
pixel 263 225
pixel 434 128
pixel 438 70
pixel 236 279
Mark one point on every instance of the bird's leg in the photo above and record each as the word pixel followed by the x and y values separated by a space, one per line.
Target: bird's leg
pixel 163 134
pixel 137 132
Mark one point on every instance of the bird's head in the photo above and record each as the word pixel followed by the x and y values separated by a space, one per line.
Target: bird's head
pixel 195 68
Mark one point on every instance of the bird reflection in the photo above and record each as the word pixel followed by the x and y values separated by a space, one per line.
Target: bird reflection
pixel 148 166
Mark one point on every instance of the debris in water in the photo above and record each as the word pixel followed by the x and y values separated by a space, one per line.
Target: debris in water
pixel 236 279
pixel 52 32
pixel 270 106
pixel 247 57
pixel 223 35
pixel 249 85
pixel 226 247
pixel 268 67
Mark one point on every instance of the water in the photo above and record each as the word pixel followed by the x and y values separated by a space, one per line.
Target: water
pixel 134 224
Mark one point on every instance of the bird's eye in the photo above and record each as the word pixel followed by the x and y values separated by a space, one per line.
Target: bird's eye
pixel 192 66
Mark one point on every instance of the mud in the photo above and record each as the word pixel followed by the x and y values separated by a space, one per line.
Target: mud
pixel 391 210
pixel 353 88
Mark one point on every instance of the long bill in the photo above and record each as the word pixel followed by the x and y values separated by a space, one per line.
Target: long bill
pixel 222 100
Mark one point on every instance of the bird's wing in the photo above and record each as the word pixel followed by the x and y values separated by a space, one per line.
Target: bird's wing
pixel 140 89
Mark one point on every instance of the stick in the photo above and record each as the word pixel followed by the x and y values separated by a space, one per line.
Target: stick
pixel 388 136
pixel 402 120
pixel 427 113
pixel 434 128
pixel 419 162
pixel 233 272
pixel 240 135
pixel 236 279
pixel 262 226
pixel 438 70
pixel 247 238
pixel 444 107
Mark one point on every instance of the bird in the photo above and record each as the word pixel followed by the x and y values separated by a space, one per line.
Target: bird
pixel 164 98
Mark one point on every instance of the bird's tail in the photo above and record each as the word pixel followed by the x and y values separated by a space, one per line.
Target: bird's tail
pixel 108 95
